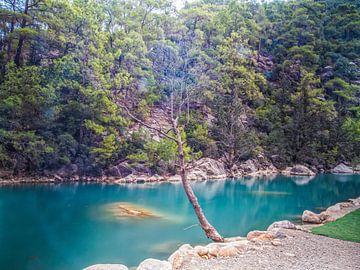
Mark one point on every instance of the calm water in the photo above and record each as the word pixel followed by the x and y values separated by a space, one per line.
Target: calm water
pixel 61 227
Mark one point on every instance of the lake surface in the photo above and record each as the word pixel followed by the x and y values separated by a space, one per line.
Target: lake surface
pixel 57 227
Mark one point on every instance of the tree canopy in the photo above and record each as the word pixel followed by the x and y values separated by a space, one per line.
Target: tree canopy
pixel 280 78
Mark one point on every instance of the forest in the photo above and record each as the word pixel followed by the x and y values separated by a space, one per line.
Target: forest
pixel 279 79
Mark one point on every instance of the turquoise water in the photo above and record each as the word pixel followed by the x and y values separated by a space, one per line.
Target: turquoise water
pixel 65 227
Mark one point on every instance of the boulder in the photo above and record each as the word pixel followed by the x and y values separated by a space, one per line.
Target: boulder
pixel 310 217
pixel 259 235
pixel 197 175
pixel 342 169
pixel 214 250
pixel 209 167
pixel 334 208
pixel 121 170
pixel 201 251
pixel 284 224
pixel 228 251
pixel 68 171
pixel 248 166
pixel 356 201
pixel 301 170
pixel 178 257
pixel 152 264
pixel 141 169
pixel 107 267
pixel 5 174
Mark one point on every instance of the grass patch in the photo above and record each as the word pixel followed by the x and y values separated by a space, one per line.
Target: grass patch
pixel 346 228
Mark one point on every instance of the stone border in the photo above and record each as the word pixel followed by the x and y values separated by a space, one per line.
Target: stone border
pixel 254 241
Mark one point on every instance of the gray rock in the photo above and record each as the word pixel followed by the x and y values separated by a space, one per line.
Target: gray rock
pixel 210 167
pixel 248 166
pixel 284 224
pixel 301 170
pixel 67 171
pixel 121 170
pixel 153 264
pixel 106 267
pixel 342 169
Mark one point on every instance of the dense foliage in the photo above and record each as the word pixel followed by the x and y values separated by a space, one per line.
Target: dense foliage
pixel 281 79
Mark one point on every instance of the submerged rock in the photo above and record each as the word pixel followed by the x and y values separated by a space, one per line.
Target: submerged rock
pixel 342 168
pixel 107 267
pixel 127 210
pixel 153 264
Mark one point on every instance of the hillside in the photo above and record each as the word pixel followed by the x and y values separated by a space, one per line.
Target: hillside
pixel 279 80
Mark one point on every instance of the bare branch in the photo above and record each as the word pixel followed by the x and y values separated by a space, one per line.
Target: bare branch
pixel 159 130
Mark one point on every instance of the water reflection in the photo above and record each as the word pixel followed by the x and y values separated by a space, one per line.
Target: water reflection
pixel 60 226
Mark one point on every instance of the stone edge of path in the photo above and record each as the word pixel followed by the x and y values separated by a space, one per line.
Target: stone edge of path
pixel 254 241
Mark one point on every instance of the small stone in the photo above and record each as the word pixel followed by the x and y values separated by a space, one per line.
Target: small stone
pixel 276 243
pixel 289 254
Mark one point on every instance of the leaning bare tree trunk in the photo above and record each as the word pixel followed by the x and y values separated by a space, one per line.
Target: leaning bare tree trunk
pixel 209 230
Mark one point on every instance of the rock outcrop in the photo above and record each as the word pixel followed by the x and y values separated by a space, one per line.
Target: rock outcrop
pixel 342 169
pixel 301 170
pixel 121 170
pixel 68 171
pixel 254 167
pixel 106 267
pixel 207 168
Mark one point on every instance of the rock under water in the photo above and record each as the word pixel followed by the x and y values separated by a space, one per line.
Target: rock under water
pixel 129 210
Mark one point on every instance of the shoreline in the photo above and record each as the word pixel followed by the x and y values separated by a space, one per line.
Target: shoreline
pixel 201 170
pixel 282 238
pixel 42 180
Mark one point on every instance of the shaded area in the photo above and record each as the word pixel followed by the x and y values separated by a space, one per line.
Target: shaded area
pixel 346 228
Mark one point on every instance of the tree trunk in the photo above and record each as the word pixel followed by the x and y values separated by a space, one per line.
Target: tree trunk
pixel 209 230
pixel 21 38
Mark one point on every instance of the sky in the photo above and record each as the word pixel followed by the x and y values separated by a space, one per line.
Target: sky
pixel 180 3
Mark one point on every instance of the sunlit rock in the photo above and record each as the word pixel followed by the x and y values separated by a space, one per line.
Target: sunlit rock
pixel 153 264
pixel 128 210
pixel 284 224
pixel 106 267
pixel 342 169
pixel 310 217
pixel 301 170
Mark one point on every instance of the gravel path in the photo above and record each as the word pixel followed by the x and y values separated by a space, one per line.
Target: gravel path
pixel 300 250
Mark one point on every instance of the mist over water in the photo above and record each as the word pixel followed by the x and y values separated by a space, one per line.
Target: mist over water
pixel 67 226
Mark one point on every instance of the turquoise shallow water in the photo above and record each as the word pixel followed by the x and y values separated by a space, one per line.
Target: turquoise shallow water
pixel 65 227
